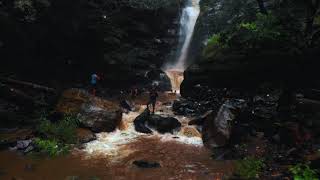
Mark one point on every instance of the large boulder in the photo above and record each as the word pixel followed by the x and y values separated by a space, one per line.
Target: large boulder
pixel 163 124
pixel 159 123
pixel 93 112
pixel 217 127
pixel 140 122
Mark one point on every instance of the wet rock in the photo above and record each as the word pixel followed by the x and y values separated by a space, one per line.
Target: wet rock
pixel 126 105
pixel 85 135
pixel 9 137
pixel 190 107
pixel 265 105
pixel 93 112
pixel 163 124
pixel 146 164
pixel 28 149
pixel 140 122
pixel 23 144
pixel 157 122
pixel 217 127
pixel 160 79
pixel 4 144
pixel 200 120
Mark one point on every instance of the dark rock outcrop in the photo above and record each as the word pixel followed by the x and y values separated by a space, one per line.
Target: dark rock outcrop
pixel 239 71
pixel 84 135
pixel 92 112
pixel 140 122
pixel 161 124
pixel 121 39
pixel 146 164
pixel 217 127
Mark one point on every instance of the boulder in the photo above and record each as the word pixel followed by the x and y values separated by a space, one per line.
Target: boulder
pixel 93 112
pixel 190 131
pixel 217 127
pixel 85 135
pixel 159 78
pixel 163 124
pixel 140 122
pixel 23 144
pixel 146 164
pixel 156 122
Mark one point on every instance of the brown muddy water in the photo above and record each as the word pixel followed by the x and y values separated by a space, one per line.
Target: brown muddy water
pixel 181 155
pixel 177 160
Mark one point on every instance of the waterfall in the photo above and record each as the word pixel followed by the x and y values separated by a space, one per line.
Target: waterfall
pixel 188 21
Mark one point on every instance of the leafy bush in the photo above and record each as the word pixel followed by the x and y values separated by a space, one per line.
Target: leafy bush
pixel 215 44
pixel 265 31
pixel 50 147
pixel 303 172
pixel 63 131
pixel 249 167
pixel 265 27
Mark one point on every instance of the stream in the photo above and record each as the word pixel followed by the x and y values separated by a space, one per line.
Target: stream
pixel 181 155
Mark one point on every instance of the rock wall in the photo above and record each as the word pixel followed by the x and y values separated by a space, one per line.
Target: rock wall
pixel 63 42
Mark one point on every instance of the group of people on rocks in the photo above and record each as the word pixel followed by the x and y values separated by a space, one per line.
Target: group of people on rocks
pixel 134 92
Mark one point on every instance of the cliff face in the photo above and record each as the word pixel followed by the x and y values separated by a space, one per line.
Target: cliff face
pixel 216 16
pixel 279 62
pixel 66 41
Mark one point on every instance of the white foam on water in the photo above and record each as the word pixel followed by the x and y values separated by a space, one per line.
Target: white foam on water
pixel 109 144
pixel 195 141
pixel 114 145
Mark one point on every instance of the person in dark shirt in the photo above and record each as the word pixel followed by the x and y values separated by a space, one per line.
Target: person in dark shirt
pixel 153 95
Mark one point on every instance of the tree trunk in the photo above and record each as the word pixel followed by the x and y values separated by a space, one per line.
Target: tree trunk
pixel 18 96
pixel 32 85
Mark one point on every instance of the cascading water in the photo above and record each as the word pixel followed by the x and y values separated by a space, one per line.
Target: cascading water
pixel 188 21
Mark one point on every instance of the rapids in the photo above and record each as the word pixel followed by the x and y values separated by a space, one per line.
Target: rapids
pixel 116 145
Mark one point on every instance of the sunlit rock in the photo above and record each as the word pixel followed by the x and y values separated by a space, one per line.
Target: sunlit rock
pixel 93 112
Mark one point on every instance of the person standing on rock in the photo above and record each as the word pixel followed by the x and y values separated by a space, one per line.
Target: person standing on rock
pixel 153 95
pixel 94 80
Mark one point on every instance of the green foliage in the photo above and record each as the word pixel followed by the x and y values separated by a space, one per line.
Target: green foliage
pixel 50 147
pixel 265 27
pixel 214 44
pixel 249 167
pixel 62 131
pixel 303 172
pixel 249 26
pixel 265 31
